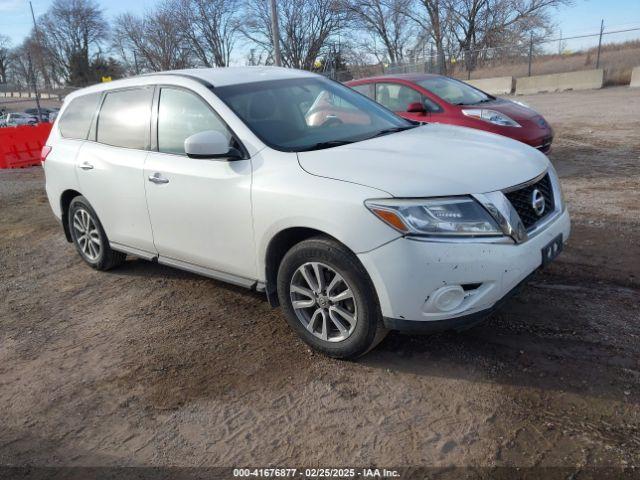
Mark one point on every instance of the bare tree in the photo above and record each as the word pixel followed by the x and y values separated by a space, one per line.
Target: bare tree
pixel 154 41
pixel 210 27
pixel 306 28
pixel 75 29
pixel 465 19
pixel 385 21
pixel 432 17
pixel 479 24
pixel 5 49
pixel 256 56
pixel 18 66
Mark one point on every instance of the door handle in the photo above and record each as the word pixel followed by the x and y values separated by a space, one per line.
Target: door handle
pixel 157 178
pixel 86 166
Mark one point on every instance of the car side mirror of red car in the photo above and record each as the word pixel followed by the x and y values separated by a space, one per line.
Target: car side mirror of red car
pixel 416 107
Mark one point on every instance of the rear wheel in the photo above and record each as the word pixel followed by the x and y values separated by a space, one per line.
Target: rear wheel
pixel 328 299
pixel 89 237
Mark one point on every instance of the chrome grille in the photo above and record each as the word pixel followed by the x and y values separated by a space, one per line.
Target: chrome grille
pixel 521 199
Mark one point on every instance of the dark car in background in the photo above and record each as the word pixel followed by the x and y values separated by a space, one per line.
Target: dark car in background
pixel 16 119
pixel 436 98
pixel 48 114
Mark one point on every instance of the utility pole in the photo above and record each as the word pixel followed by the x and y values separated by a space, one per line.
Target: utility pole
pixel 135 62
pixel 560 44
pixel 600 43
pixel 275 33
pixel 431 54
pixel 33 73
pixel 530 52
pixel 35 88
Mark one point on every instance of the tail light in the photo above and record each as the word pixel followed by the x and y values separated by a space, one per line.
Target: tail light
pixel 46 150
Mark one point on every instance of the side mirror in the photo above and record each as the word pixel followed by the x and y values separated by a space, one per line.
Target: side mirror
pixel 210 144
pixel 416 107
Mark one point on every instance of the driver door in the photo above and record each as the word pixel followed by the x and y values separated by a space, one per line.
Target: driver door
pixel 397 98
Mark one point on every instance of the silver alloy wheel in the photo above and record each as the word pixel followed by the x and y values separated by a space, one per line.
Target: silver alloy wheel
pixel 323 302
pixel 87 234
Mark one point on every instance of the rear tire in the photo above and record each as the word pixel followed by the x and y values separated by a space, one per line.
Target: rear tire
pixel 328 299
pixel 89 237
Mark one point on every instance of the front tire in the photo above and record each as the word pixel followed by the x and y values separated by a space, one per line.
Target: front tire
pixel 328 299
pixel 89 237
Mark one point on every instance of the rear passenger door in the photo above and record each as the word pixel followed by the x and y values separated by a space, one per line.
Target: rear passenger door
pixel 200 209
pixel 110 168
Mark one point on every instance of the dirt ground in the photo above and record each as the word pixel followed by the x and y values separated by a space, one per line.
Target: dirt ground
pixel 146 365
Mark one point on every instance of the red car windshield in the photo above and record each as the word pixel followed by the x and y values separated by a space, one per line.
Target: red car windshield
pixel 453 91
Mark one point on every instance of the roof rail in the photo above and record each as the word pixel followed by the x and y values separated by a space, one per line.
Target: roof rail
pixel 201 81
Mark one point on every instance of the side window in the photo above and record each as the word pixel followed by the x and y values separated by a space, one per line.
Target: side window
pixel 125 118
pixel 76 119
pixel 396 97
pixel 431 106
pixel 365 89
pixel 182 114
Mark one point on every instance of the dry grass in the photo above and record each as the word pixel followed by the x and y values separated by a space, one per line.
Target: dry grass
pixel 617 59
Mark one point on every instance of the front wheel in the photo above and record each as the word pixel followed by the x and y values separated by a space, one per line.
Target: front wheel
pixel 329 299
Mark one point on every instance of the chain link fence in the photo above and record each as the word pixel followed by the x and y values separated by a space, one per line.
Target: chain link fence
pixel 617 51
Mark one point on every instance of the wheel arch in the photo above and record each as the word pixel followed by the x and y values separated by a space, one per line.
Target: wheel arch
pixel 277 248
pixel 65 200
pixel 280 244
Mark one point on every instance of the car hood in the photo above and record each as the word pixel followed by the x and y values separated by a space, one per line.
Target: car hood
pixel 431 160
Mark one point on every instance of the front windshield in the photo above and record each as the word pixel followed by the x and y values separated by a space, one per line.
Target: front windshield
pixel 453 91
pixel 308 113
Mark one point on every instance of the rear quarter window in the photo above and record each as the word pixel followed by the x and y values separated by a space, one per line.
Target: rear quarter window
pixel 76 119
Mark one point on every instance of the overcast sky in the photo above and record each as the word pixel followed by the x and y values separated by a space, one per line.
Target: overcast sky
pixel 581 18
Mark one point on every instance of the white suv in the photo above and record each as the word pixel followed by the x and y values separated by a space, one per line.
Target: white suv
pixel 354 220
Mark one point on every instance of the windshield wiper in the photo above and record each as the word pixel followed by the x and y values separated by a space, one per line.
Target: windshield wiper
pixel 327 144
pixel 387 131
pixel 337 143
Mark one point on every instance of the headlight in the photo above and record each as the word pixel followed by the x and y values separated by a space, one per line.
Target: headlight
pixel 491 116
pixel 435 216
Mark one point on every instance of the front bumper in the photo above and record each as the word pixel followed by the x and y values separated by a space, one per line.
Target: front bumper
pixel 544 145
pixel 407 271
pixel 458 324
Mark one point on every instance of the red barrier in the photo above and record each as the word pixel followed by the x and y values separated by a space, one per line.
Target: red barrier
pixel 20 146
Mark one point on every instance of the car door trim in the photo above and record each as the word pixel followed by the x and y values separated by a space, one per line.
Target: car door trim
pixel 133 251
pixel 208 272
pixel 190 267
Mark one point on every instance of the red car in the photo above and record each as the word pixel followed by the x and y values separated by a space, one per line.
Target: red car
pixel 435 98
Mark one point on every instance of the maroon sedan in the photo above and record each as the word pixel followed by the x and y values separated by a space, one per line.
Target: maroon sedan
pixel 435 98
